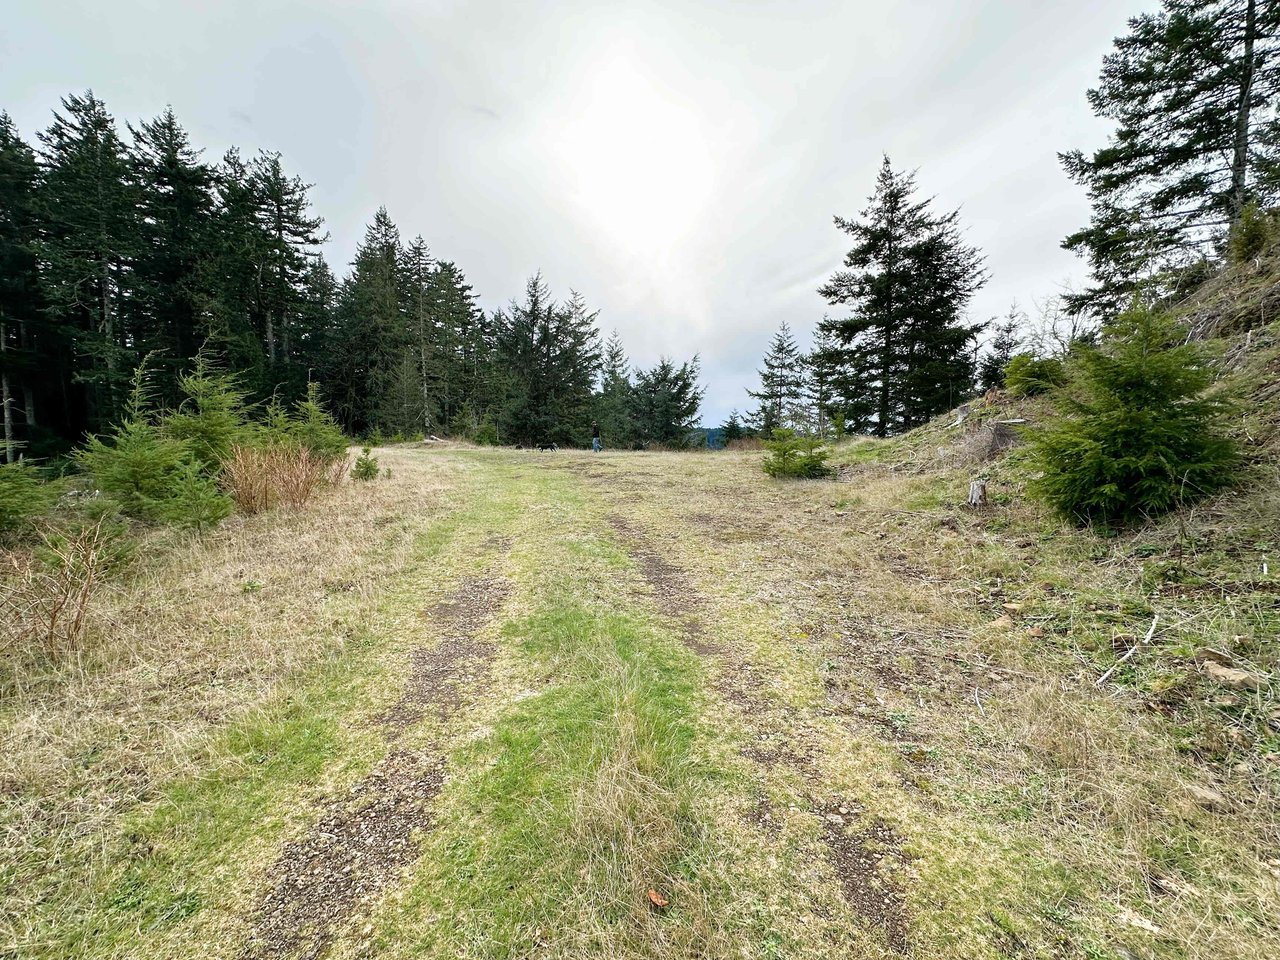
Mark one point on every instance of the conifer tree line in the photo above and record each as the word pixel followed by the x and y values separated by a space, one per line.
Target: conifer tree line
pixel 117 246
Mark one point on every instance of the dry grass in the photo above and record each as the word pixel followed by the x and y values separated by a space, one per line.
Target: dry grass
pixel 281 475
pixel 47 604
pixel 201 634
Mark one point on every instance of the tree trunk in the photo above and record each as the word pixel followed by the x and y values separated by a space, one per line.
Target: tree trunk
pixel 28 395
pixel 5 397
pixel 1240 160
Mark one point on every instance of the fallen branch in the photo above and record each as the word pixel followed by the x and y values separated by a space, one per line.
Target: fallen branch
pixel 1151 632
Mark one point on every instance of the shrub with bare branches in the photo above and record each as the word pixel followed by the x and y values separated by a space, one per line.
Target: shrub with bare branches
pixel 48 595
pixel 288 475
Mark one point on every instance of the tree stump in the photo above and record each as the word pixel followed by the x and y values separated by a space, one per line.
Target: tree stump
pixel 978 494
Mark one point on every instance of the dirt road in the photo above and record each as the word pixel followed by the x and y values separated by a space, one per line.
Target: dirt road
pixel 518 705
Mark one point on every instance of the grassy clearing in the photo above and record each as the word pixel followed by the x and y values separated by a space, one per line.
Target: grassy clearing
pixel 876 649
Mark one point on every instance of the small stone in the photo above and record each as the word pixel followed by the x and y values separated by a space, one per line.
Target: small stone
pixel 835 818
pixel 1207 798
pixel 1233 676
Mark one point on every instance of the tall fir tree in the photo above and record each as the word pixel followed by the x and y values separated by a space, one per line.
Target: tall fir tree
pixel 908 279
pixel 89 237
pixel 426 341
pixel 290 235
pixel 1193 92
pixel 1004 344
pixel 373 335
pixel 549 355
pixel 613 401
pixel 175 197
pixel 21 328
pixel 780 399
pixel 465 385
pixel 665 401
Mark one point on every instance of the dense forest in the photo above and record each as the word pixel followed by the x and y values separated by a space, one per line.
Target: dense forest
pixel 126 251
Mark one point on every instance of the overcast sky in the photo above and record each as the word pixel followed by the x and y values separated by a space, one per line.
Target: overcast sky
pixel 677 162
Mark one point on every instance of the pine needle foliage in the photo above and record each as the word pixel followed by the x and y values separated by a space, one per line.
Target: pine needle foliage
pixel 1029 376
pixel 795 457
pixel 213 418
pixel 152 474
pixel 1136 436
pixel 24 495
pixel 366 466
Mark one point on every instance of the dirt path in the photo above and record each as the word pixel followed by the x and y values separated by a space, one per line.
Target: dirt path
pixel 856 846
pixel 632 707
pixel 365 840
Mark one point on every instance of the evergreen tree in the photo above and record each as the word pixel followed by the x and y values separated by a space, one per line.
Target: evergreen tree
pixel 1004 344
pixel 372 333
pixel 909 278
pixel 175 197
pixel 820 383
pixel 427 341
pixel 843 370
pixel 1193 92
pixel 20 307
pixel 782 385
pixel 465 384
pixel 234 303
pixel 665 402
pixel 613 402
pixel 89 214
pixel 549 355
pixel 732 428
pixel 289 238
pixel 1137 435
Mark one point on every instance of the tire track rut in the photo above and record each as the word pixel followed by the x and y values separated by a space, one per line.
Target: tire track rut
pixel 855 844
pixel 366 839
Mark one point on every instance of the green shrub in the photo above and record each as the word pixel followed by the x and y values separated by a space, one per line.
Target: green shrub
pixel 1136 435
pixel 24 495
pixel 366 466
pixel 1028 375
pixel 213 418
pixel 152 476
pixel 794 456
pixel 194 500
pixel 1252 233
pixel 313 427
pixel 486 433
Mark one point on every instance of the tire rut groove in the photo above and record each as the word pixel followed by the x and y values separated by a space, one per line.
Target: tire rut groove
pixel 853 850
pixel 367 838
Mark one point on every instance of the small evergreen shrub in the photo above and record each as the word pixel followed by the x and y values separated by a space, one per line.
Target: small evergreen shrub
pixel 193 500
pixel 24 496
pixel 486 433
pixel 366 466
pixel 1252 233
pixel 1136 435
pixel 313 427
pixel 793 456
pixel 1028 375
pixel 213 418
pixel 150 473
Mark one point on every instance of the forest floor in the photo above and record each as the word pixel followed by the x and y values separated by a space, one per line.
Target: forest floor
pixel 511 704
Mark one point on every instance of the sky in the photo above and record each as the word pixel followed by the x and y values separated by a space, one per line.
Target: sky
pixel 677 162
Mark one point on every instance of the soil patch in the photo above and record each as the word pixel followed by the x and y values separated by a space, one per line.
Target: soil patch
pixel 856 852
pixel 365 840
pixel 361 844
